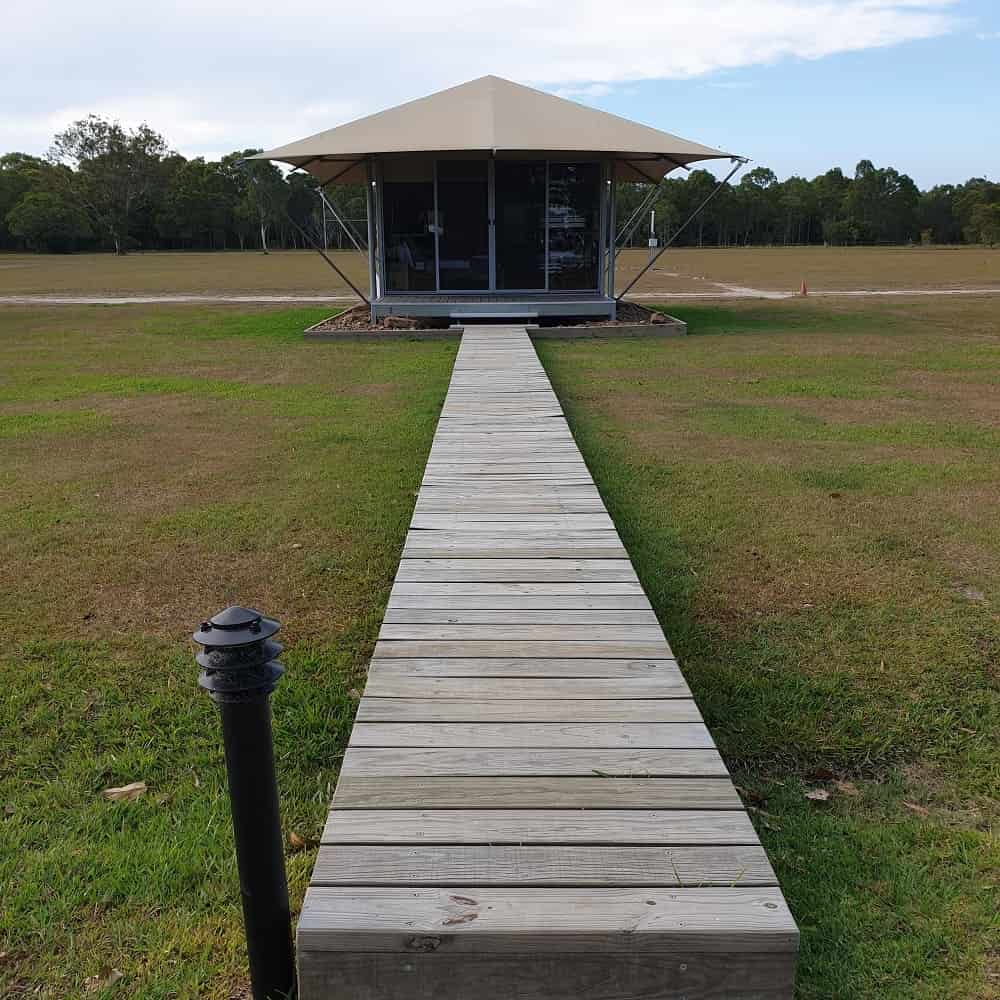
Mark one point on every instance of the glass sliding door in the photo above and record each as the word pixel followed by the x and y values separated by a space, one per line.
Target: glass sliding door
pixel 408 220
pixel 574 225
pixel 520 224
pixel 463 195
pixel 545 234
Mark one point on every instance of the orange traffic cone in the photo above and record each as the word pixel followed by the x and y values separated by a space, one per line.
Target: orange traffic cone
pixel 803 290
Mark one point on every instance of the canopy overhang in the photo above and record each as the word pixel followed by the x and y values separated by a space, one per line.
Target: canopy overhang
pixel 495 118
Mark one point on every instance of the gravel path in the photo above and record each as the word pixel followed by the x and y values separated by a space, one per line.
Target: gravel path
pixel 725 292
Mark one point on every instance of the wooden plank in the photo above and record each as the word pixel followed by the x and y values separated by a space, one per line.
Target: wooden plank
pixel 470 479
pixel 564 735
pixel 515 570
pixel 518 632
pixel 508 865
pixel 449 792
pixel 565 709
pixel 549 616
pixel 390 761
pixel 679 974
pixel 521 522
pixel 547 468
pixel 555 588
pixel 633 650
pixel 666 827
pixel 483 919
pixel 494 538
pixel 517 505
pixel 664 670
pixel 523 602
pixel 387 684
pixel 478 546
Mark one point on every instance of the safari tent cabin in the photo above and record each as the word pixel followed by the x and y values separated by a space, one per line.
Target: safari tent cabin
pixel 491 199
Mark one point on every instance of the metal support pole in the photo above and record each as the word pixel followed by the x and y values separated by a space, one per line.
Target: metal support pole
pixel 372 281
pixel 305 236
pixel 737 163
pixel 344 226
pixel 240 670
pixel 637 216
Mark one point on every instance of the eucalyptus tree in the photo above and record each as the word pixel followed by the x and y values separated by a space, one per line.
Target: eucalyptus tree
pixel 113 168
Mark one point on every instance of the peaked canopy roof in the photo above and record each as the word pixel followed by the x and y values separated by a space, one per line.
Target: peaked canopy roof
pixel 496 116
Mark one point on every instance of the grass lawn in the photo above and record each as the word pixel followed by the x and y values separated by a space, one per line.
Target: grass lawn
pixel 303 272
pixel 782 269
pixel 158 465
pixel 811 496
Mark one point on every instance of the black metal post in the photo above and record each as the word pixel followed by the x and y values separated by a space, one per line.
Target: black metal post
pixel 240 670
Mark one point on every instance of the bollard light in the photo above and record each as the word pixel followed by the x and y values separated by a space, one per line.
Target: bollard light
pixel 240 670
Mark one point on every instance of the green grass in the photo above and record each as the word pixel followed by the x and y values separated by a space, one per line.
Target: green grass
pixel 827 567
pixel 811 495
pixel 159 464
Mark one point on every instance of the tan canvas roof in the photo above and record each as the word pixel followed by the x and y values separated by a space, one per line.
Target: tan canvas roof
pixel 495 116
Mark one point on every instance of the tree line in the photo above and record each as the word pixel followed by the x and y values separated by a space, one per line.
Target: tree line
pixel 104 187
pixel 877 205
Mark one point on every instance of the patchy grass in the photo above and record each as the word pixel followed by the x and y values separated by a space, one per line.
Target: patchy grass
pixel 811 495
pixel 782 269
pixel 158 465
pixel 303 272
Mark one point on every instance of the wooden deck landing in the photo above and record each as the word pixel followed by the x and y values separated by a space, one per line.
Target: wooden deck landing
pixel 531 806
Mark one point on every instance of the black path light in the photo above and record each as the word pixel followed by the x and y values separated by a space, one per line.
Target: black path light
pixel 239 671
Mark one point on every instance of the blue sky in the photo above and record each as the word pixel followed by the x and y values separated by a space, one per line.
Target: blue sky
pixel 798 85
pixel 930 107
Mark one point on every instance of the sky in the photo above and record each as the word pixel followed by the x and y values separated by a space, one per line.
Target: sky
pixel 796 85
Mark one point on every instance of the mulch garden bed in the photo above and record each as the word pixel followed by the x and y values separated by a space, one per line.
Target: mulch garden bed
pixel 356 321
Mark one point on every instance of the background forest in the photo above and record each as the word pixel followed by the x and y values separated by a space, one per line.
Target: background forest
pixel 103 186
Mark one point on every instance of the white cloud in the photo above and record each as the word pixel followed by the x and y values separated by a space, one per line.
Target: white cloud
pixel 587 92
pixel 225 74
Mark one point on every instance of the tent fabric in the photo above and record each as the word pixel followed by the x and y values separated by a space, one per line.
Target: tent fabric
pixel 495 116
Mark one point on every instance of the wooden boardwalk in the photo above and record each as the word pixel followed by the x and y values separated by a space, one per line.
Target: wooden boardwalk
pixel 531 806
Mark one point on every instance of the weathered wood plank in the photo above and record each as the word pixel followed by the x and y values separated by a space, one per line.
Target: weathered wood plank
pixel 449 792
pixel 386 684
pixel 427 503
pixel 478 918
pixel 348 864
pixel 525 616
pixel 520 632
pixel 546 468
pixel 663 670
pixel 631 650
pixel 666 827
pixel 564 735
pixel 515 570
pixel 488 521
pixel 566 709
pixel 471 762
pixel 554 588
pixel 519 602
pixel 479 546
